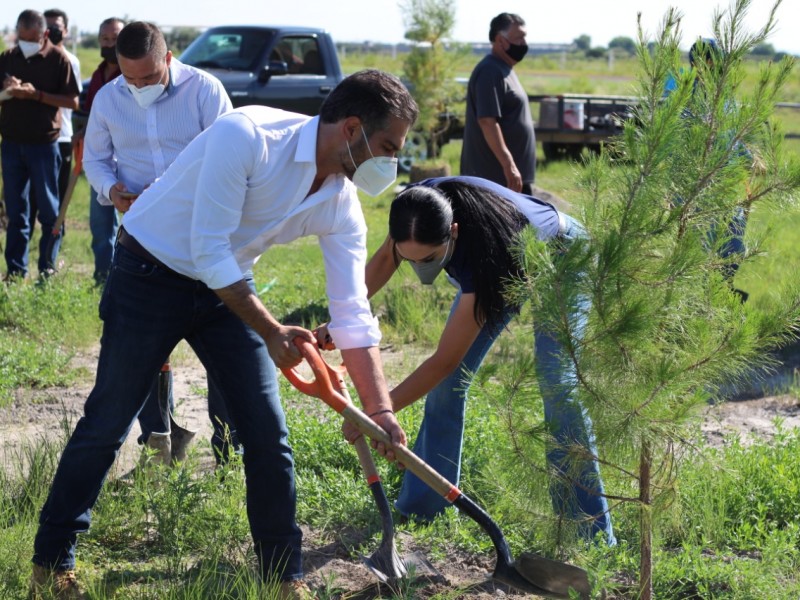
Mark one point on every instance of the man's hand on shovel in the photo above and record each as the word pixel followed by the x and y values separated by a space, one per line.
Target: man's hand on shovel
pixel 322 387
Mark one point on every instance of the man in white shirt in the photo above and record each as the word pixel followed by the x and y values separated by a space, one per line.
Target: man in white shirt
pixel 129 144
pixel 257 177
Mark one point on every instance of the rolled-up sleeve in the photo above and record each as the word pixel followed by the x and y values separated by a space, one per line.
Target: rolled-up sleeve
pixel 232 150
pixel 352 324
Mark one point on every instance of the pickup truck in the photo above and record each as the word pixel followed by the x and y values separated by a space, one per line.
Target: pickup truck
pixel 293 68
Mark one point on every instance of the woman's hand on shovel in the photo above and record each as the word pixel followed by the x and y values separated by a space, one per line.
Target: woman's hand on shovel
pixel 324 339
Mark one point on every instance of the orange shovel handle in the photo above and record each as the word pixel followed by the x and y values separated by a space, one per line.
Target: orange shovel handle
pixel 322 385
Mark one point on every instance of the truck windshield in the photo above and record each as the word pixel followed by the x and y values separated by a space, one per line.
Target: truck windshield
pixel 232 48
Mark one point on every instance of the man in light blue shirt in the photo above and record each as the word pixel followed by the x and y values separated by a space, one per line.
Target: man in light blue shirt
pixel 129 143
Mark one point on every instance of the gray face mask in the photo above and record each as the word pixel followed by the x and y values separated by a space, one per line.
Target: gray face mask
pixel 428 271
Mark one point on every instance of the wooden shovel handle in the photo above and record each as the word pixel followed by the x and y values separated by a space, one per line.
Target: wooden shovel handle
pixel 322 387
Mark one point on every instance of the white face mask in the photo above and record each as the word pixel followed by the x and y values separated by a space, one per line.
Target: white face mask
pixel 427 272
pixel 145 96
pixel 375 174
pixel 28 49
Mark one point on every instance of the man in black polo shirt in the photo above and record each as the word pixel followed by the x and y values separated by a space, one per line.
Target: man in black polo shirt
pixel 38 80
pixel 499 140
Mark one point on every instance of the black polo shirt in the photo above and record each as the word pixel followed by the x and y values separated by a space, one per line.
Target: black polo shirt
pixel 49 70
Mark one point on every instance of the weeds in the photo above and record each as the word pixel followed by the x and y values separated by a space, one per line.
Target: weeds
pixel 184 534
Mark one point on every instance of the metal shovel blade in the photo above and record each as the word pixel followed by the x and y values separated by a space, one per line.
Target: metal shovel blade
pixel 556 577
pixel 532 573
pixel 385 563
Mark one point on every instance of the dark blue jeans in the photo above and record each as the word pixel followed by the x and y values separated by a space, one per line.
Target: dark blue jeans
pixel 30 169
pixel 146 311
pixel 103 223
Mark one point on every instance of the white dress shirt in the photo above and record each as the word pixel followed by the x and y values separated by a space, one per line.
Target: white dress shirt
pixel 241 187
pixel 66 113
pixel 127 143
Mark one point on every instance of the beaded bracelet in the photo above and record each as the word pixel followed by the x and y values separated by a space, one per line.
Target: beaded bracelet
pixel 380 412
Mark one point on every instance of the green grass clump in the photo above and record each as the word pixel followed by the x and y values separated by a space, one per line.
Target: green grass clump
pixel 40 327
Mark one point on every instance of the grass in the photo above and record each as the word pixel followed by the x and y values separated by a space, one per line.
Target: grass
pixel 733 529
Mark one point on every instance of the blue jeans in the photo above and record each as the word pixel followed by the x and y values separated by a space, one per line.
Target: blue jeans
pixel 441 434
pixel 146 311
pixel 103 223
pixel 734 245
pixel 30 168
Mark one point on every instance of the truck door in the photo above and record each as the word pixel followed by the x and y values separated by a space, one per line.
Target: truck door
pixel 306 82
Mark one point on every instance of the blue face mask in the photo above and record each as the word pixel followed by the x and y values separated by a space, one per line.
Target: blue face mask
pixel 428 271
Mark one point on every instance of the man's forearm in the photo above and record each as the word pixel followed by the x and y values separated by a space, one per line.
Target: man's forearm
pixel 241 300
pixel 494 138
pixel 59 100
pixel 366 371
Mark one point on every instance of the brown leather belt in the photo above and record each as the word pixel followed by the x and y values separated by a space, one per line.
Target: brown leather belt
pixel 132 245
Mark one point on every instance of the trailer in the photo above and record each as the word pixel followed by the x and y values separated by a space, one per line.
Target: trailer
pixel 568 123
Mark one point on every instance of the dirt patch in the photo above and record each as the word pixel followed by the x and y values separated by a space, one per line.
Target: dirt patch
pixel 751 419
pixel 50 414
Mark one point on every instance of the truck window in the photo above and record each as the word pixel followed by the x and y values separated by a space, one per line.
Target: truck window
pixel 228 48
pixel 301 54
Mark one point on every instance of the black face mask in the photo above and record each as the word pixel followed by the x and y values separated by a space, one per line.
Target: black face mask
pixel 55 35
pixel 517 51
pixel 109 54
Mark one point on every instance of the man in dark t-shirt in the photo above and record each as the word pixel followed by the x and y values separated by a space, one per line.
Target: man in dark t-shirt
pixel 499 142
pixel 38 80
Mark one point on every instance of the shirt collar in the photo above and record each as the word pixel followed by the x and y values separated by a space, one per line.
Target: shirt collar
pixel 178 73
pixel 307 144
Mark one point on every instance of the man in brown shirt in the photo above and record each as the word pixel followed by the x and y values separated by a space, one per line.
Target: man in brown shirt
pixel 38 80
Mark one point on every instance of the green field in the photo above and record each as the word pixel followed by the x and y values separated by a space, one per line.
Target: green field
pixel 731 532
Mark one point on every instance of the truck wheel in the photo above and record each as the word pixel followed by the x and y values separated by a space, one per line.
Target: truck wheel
pixel 415 150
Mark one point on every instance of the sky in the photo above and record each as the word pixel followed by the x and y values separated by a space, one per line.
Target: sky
pixel 382 20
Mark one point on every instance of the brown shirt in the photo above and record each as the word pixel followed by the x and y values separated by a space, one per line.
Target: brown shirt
pixel 31 121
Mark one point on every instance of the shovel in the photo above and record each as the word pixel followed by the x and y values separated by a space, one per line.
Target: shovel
pixel 532 573
pixel 385 563
pixel 179 436
pixel 71 183
pixel 58 225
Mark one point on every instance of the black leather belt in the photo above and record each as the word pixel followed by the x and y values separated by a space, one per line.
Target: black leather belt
pixel 132 245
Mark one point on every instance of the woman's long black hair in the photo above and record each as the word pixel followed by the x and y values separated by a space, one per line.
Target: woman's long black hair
pixel 487 227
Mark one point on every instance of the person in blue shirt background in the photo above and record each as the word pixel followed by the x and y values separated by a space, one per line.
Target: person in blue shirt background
pixel 709 52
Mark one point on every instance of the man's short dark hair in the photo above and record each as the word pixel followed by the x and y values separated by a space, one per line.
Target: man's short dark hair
pixel 503 22
pixel 373 96
pixel 54 13
pixel 111 21
pixel 140 39
pixel 31 19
